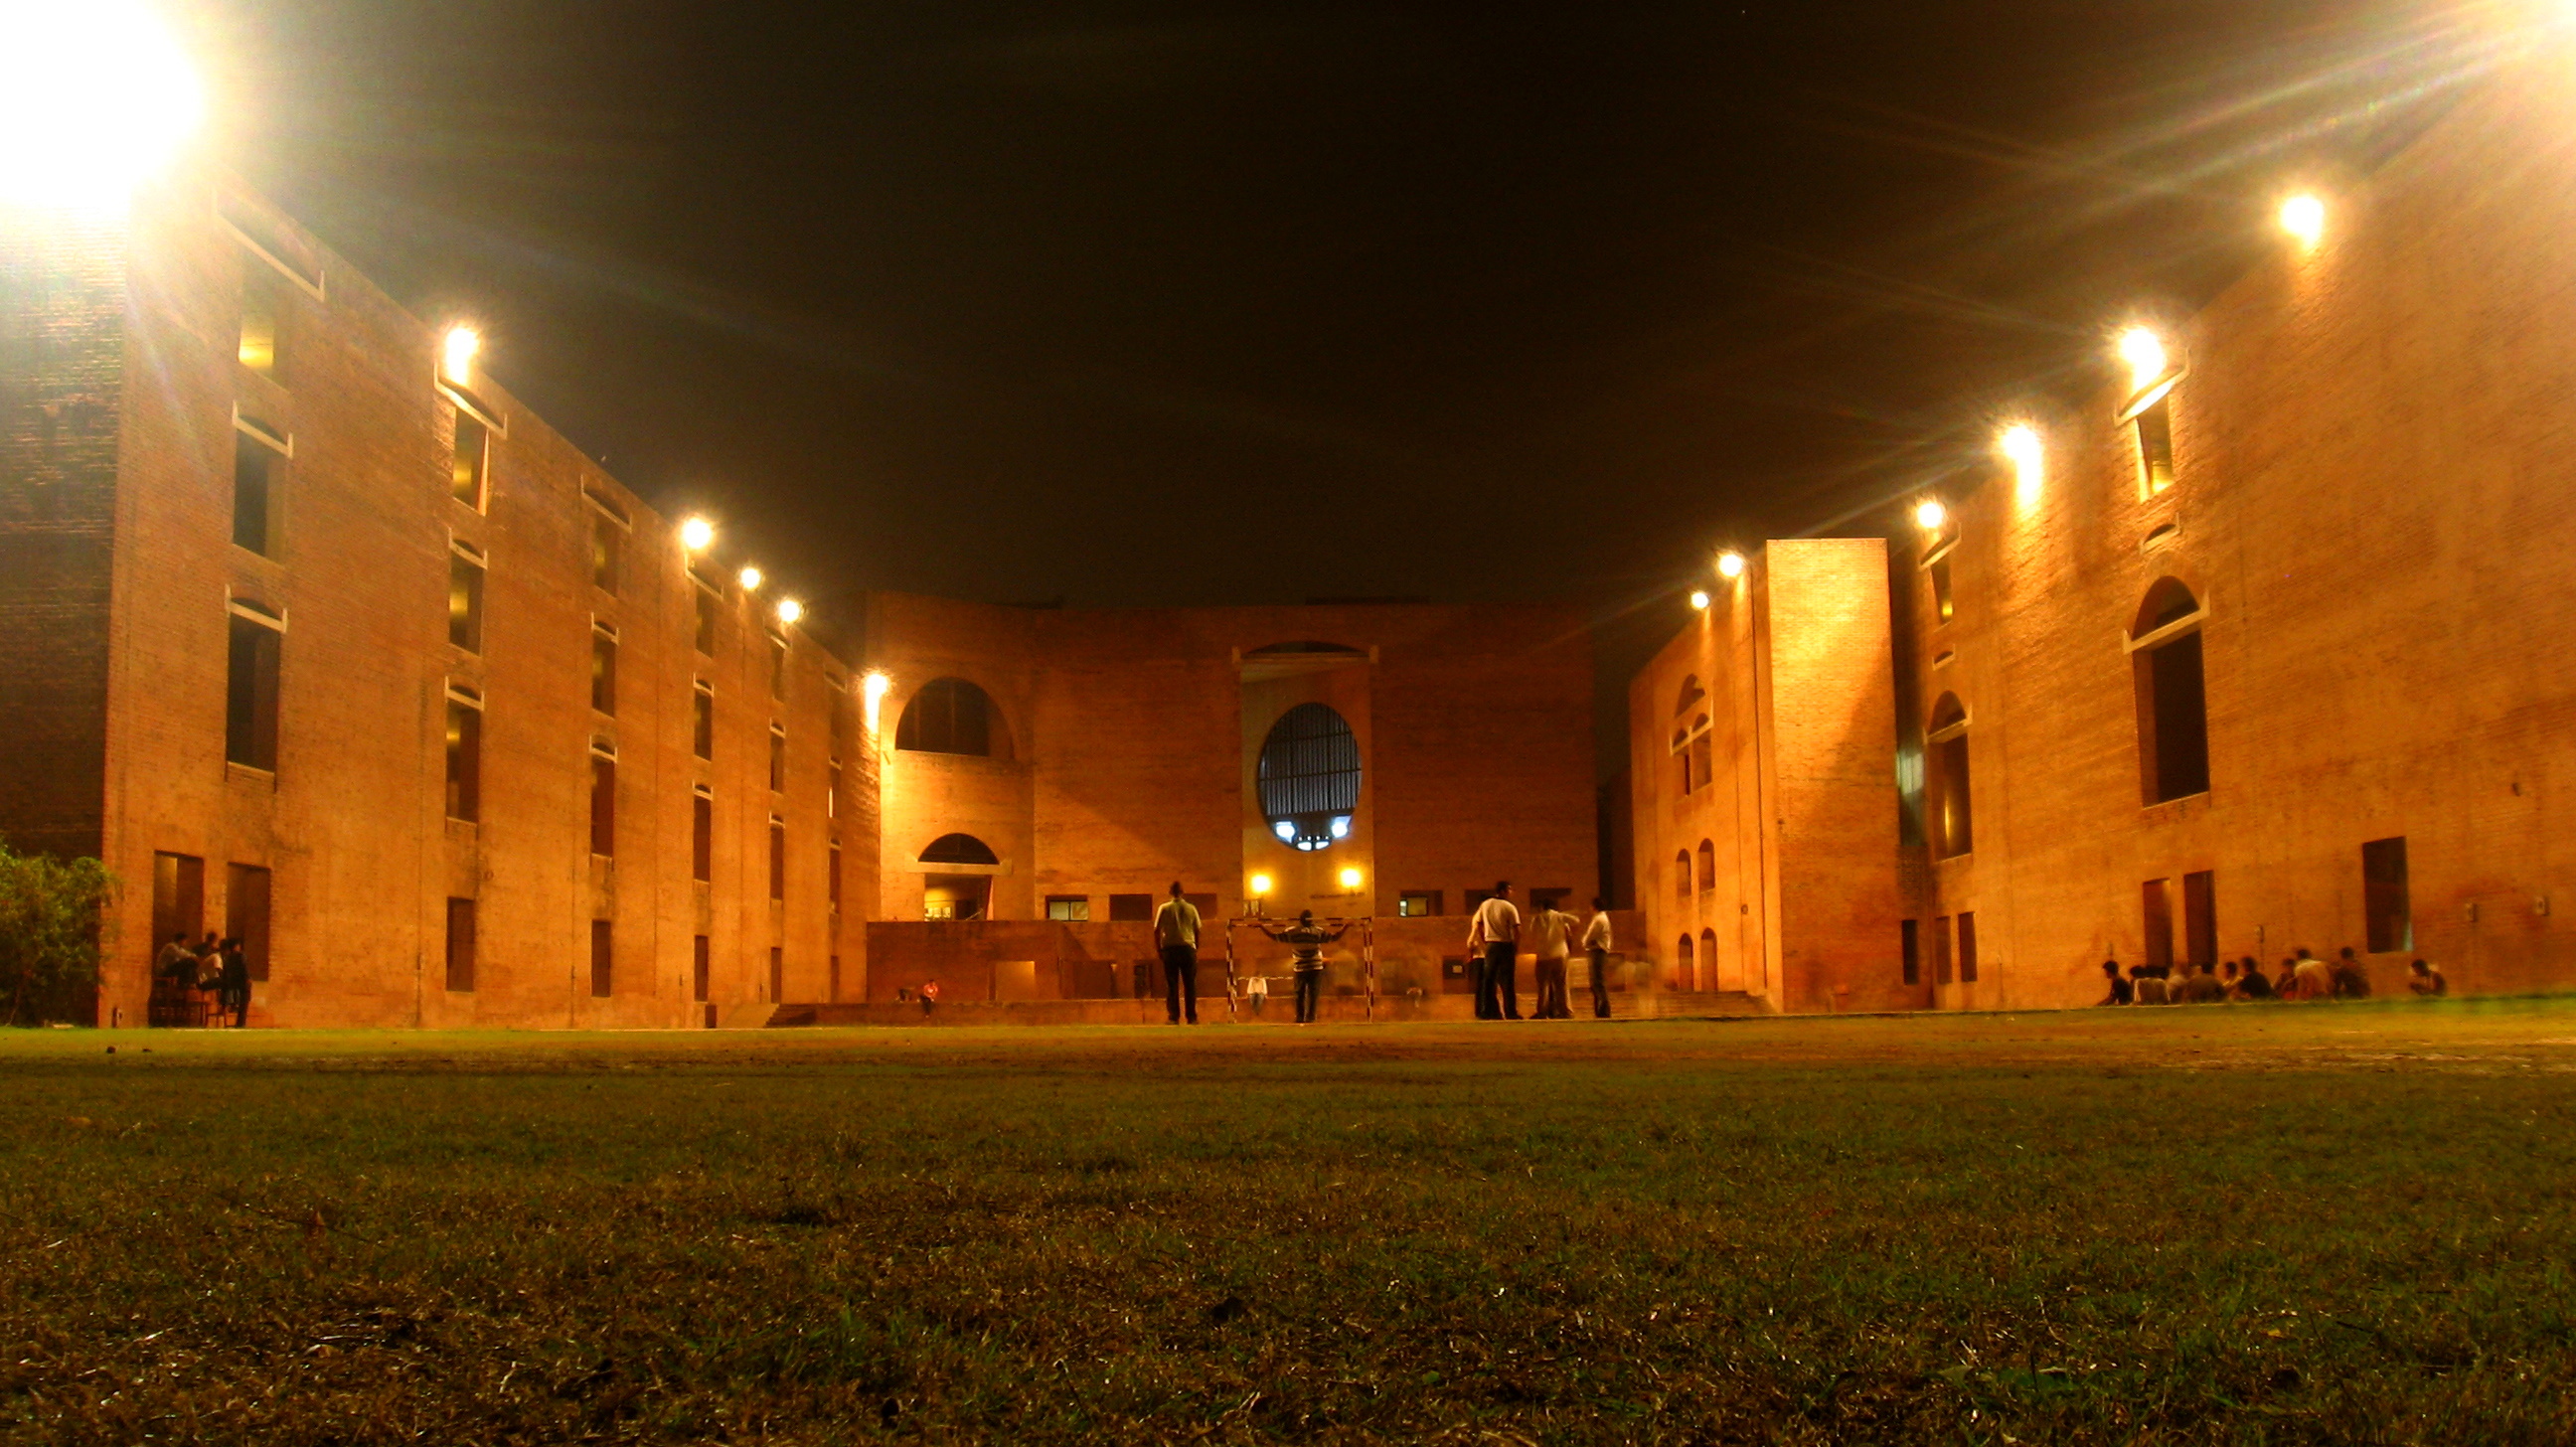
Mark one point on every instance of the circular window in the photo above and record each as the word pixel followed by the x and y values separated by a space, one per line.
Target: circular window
pixel 1310 777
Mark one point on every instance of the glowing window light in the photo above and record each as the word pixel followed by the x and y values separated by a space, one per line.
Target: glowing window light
pixel 1730 565
pixel 873 690
pixel 751 579
pixel 697 535
pixel 789 610
pixel 1929 514
pixel 2304 217
pixel 1350 879
pixel 1699 599
pixel 2144 351
pixel 99 99
pixel 456 353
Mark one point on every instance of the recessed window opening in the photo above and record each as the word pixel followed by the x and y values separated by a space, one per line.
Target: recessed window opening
pixel 259 456
pixel 777 666
pixel 1310 777
pixel 1941 950
pixel 1694 754
pixel 607 550
pixel 1946 748
pixel 702 836
pixel 246 913
pixel 2155 898
pixel 1686 976
pixel 1417 903
pixel 1131 908
pixel 603 667
pixel 777 859
pixel 2172 702
pixel 1967 947
pixel 1707 865
pixel 951 716
pixel 1938 571
pixel 460 945
pixel 1068 908
pixel 472 460
pixel 702 720
pixel 603 799
pixel 705 637
pixel 1682 876
pixel 603 959
pixel 2155 447
pixel 250 689
pixel 832 879
pixel 263 306
pixel 777 759
pixel 279 251
pixel 2387 910
pixel 777 972
pixel 2200 919
pixel 1691 693
pixel 465 601
pixel 701 968
pixel 1909 950
pixel 464 758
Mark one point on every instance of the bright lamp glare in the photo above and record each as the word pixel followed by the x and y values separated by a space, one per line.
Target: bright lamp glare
pixel 789 610
pixel 2021 444
pixel 457 353
pixel 1699 599
pixel 697 534
pixel 1730 565
pixel 1284 829
pixel 751 580
pixel 1341 827
pixel 1350 879
pixel 1929 514
pixel 1260 886
pixel 873 689
pixel 2144 351
pixel 99 98
pixel 2305 218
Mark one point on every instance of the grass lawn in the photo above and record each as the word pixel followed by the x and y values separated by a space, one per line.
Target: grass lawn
pixel 2243 1224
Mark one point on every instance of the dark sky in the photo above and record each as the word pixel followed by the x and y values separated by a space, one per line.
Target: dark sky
pixel 1215 302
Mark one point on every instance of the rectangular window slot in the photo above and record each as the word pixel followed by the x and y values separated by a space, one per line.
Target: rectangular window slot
pixel 777 858
pixel 472 460
pixel 832 878
pixel 1068 908
pixel 1939 573
pixel 701 969
pixel 777 759
pixel 702 721
pixel 1131 908
pixel 178 900
pixel 777 666
pixel 460 945
pixel 603 959
pixel 246 904
pixel 2388 911
pixel 603 669
pixel 2155 448
pixel 603 806
pixel 2200 919
pixel 702 838
pixel 464 759
pixel 1417 904
pixel 607 551
pixel 1967 948
pixel 250 693
pixel 706 632
pixel 2156 903
pixel 1909 946
pixel 464 601
pixel 263 307
pixel 1941 950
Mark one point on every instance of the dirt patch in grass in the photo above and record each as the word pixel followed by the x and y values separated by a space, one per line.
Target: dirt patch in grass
pixel 2297 1224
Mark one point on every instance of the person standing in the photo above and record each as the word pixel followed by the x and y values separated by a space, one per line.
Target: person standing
pixel 1306 939
pixel 1551 938
pixel 1497 933
pixel 1176 935
pixel 235 995
pixel 1596 948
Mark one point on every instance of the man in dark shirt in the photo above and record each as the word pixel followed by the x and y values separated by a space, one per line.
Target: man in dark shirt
pixel 2428 981
pixel 235 986
pixel 1306 940
pixel 2252 985
pixel 2121 991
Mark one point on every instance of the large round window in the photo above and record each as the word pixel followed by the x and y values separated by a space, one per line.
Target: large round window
pixel 1310 777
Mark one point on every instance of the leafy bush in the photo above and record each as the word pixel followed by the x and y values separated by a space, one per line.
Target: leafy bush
pixel 53 919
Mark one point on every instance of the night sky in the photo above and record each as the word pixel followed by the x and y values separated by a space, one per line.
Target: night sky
pixel 1209 302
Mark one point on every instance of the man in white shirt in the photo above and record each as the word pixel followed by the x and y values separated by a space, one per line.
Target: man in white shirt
pixel 1551 933
pixel 1176 935
pixel 1496 933
pixel 1596 946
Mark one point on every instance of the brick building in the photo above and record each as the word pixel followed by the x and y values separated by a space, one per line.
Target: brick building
pixel 2257 647
pixel 321 639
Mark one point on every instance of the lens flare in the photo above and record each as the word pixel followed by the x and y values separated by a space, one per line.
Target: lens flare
pixel 751 578
pixel 456 353
pixel 697 535
pixel 2144 351
pixel 1699 599
pixel 2305 218
pixel 789 610
pixel 98 100
pixel 1730 565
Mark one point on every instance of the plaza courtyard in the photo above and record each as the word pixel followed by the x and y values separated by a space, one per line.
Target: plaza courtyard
pixel 2242 1224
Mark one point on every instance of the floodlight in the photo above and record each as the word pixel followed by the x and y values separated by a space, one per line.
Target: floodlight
pixel 99 99
pixel 2144 351
pixel 1284 829
pixel 750 579
pixel 1261 886
pixel 1341 826
pixel 1929 514
pixel 789 610
pixel 2304 217
pixel 1350 879
pixel 1699 598
pixel 456 353
pixel 1730 564
pixel 873 690
pixel 697 534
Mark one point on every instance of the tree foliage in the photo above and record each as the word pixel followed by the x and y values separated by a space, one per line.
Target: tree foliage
pixel 53 927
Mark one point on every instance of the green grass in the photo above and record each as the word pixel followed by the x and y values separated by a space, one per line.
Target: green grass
pixel 2250 1224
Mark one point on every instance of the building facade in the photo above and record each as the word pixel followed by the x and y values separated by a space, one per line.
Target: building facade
pixel 2259 647
pixel 322 640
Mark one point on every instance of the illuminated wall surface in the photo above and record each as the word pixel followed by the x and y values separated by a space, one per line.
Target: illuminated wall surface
pixel 2343 533
pixel 270 547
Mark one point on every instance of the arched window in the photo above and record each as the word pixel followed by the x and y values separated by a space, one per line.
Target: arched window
pixel 1691 757
pixel 1691 693
pixel 2173 704
pixel 1707 866
pixel 1945 741
pixel 1683 976
pixel 952 716
pixel 1682 876
pixel 1708 959
pixel 958 849
pixel 1310 777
